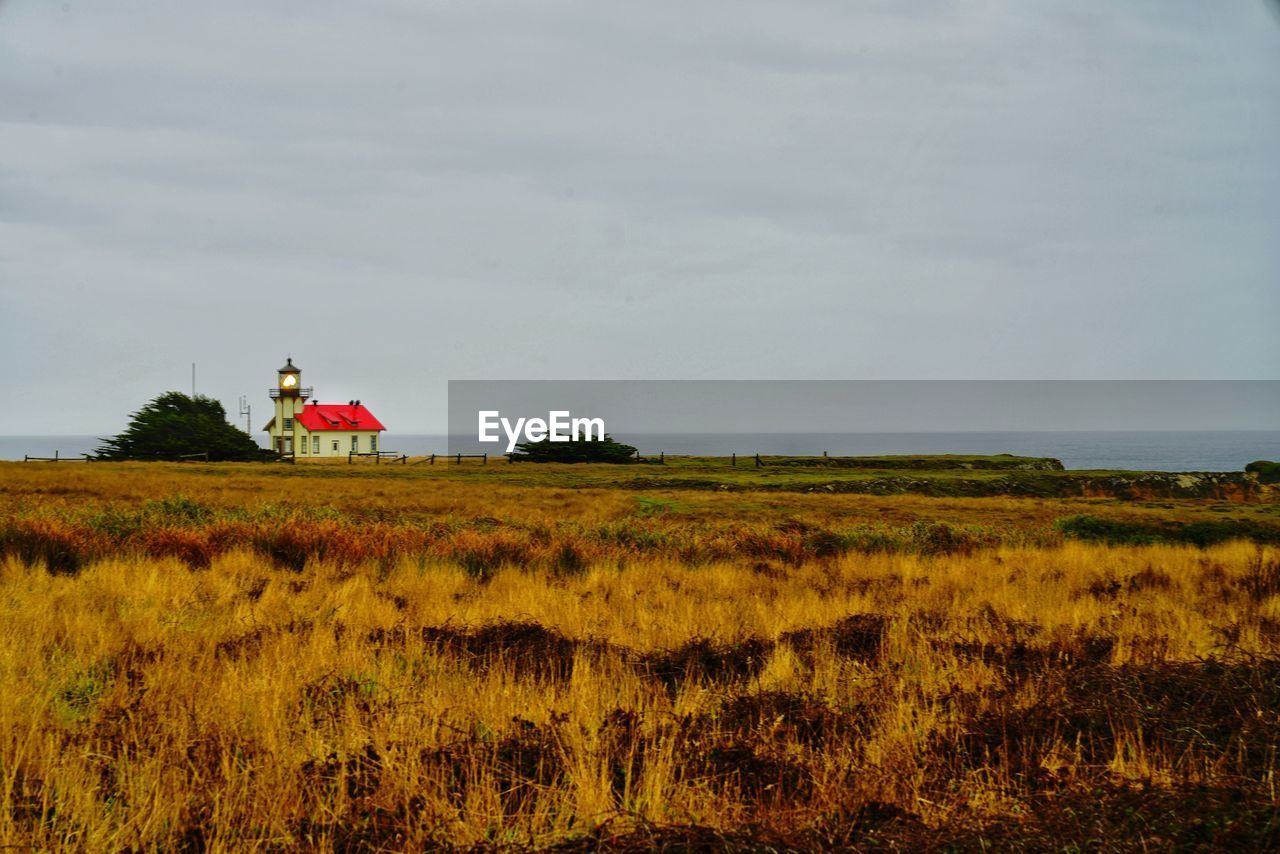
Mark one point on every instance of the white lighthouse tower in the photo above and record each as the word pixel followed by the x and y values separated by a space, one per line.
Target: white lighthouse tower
pixel 289 397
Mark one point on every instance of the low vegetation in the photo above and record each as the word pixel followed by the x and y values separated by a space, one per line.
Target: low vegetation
pixel 1201 533
pixel 602 450
pixel 928 462
pixel 276 658
pixel 174 426
pixel 1266 470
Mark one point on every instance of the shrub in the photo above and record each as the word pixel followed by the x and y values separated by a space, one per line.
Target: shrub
pixel 604 450
pixel 178 510
pixel 481 555
pixel 1266 470
pixel 116 523
pixel 191 547
pixel 870 539
pixel 1111 531
pixel 569 560
pixel 290 546
pixel 176 425
pixel 1263 578
pixel 939 538
pixel 64 550
pixel 1205 533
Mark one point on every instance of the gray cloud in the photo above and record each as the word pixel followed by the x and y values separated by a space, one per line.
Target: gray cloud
pixel 398 193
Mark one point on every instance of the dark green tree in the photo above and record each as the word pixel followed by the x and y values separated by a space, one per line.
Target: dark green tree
pixel 604 450
pixel 1266 470
pixel 174 425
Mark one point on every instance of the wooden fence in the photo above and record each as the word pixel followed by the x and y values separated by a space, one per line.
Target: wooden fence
pixel 456 458
pixel 378 456
pixel 83 458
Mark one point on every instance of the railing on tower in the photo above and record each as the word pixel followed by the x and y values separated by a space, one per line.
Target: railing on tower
pixel 302 392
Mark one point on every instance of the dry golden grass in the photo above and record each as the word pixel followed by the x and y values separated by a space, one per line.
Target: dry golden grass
pixel 430 669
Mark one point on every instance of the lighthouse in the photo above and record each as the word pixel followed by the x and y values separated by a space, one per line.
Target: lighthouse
pixel 320 429
pixel 289 397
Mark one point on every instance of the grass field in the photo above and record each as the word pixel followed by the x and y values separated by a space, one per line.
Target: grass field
pixel 240 657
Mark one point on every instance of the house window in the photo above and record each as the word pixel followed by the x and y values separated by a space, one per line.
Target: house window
pixel 288 424
pixel 302 444
pixel 373 442
pixel 355 444
pixel 335 446
pixel 288 444
pixel 315 444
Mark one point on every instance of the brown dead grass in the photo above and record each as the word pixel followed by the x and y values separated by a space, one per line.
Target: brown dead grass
pixel 301 671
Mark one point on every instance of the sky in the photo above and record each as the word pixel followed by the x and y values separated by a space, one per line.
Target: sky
pixel 398 193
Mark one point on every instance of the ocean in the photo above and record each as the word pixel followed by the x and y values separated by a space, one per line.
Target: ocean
pixel 1143 451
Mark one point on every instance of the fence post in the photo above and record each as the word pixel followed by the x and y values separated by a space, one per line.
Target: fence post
pixel 486 459
pixel 459 459
pixel 662 458
pixel 758 463
pixel 55 456
pixel 734 458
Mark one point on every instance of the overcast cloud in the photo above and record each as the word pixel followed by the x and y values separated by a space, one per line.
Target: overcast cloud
pixel 399 193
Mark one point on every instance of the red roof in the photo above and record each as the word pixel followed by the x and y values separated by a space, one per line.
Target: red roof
pixel 317 417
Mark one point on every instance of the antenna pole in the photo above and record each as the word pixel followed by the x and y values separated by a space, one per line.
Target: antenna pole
pixel 193 380
pixel 244 410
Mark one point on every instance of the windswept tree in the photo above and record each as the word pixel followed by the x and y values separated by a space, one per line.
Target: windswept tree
pixel 1266 470
pixel 176 425
pixel 604 450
